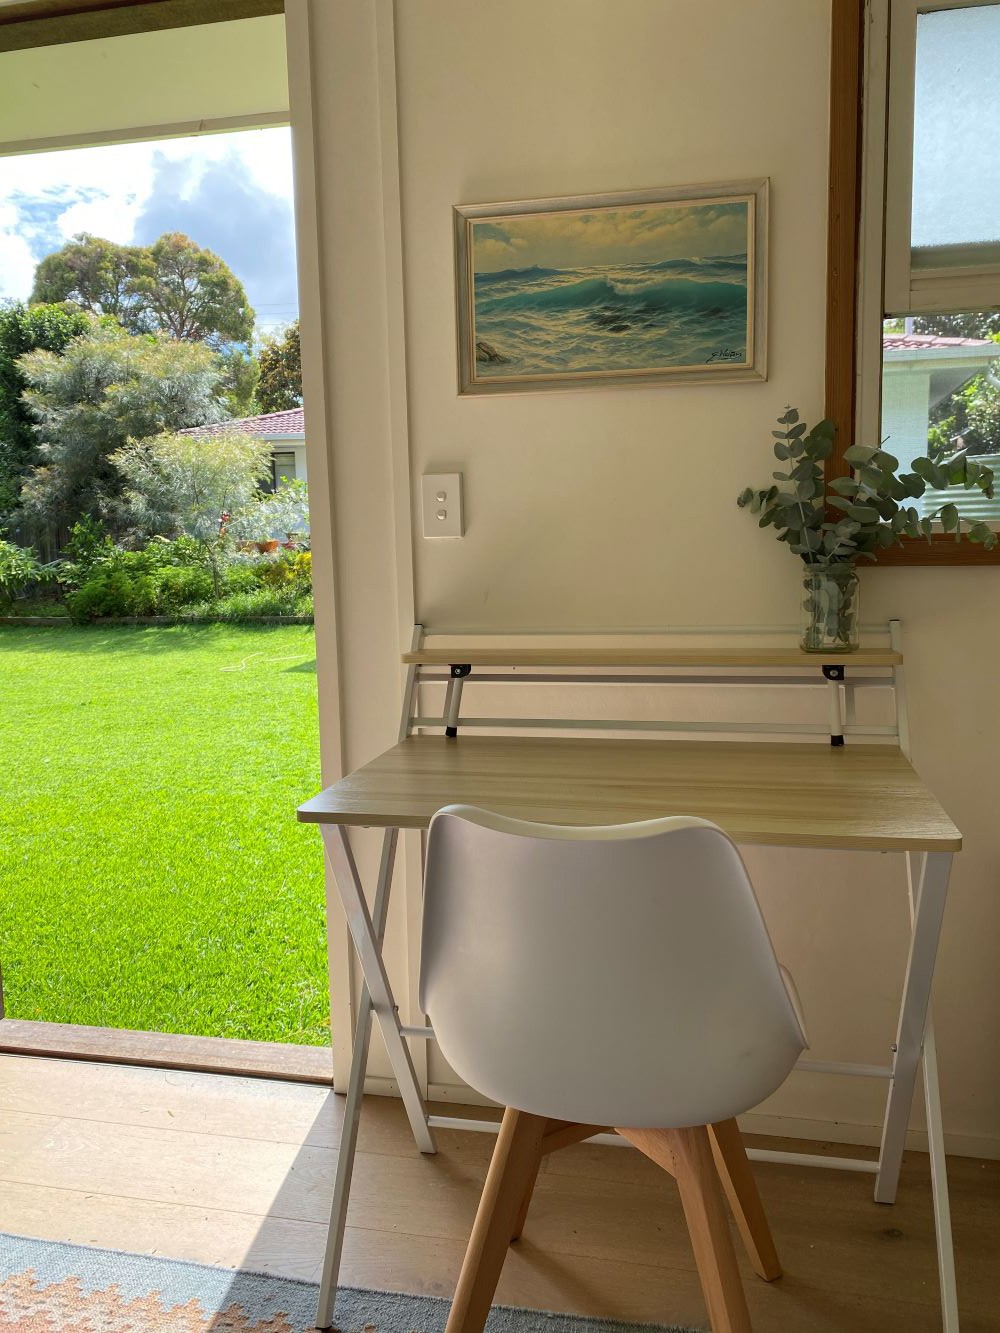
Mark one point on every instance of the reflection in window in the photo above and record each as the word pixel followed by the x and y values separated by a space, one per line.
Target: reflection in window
pixel 941 393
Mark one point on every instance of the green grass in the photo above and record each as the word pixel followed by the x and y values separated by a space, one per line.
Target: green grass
pixel 152 873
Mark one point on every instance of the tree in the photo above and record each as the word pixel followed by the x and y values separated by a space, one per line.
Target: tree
pixel 191 294
pixel 173 286
pixel 280 386
pixel 188 484
pixel 108 386
pixel 23 329
pixel 279 514
pixel 95 275
pixel 238 385
pixel 972 413
pixel 979 325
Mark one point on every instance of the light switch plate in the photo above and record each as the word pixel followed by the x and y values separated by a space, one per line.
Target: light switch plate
pixel 441 503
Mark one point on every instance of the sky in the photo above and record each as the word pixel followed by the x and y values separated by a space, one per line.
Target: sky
pixel 231 193
pixel 613 236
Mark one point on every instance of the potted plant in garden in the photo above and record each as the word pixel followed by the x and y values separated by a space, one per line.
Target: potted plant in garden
pixel 858 516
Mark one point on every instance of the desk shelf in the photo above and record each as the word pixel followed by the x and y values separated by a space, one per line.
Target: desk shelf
pixel 477 655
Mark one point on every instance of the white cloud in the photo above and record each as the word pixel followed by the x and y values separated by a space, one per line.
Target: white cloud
pixel 47 197
pixel 17 263
pixel 109 217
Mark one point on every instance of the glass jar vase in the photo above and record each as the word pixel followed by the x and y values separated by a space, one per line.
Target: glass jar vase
pixel 831 616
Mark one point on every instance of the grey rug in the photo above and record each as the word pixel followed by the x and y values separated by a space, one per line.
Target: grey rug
pixel 46 1286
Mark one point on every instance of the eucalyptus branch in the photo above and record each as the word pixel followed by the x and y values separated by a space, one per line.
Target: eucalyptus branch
pixel 874 500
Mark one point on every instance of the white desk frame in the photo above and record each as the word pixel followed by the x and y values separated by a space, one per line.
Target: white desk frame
pixel 927 879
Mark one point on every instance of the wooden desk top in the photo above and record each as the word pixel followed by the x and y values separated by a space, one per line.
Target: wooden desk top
pixel 856 797
pixel 476 655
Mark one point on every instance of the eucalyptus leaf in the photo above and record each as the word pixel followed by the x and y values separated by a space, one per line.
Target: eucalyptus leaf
pixel 844 486
pixel 949 517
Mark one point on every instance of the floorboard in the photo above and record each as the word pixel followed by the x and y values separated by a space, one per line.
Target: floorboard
pixel 238 1172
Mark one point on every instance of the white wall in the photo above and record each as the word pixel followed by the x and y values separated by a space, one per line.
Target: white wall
pixel 616 507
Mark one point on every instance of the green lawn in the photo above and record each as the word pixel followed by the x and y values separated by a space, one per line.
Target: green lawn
pixel 152 874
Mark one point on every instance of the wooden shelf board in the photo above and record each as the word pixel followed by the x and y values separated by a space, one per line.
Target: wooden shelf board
pixel 477 655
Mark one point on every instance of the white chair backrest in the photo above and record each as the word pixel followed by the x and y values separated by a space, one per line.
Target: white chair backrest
pixel 612 976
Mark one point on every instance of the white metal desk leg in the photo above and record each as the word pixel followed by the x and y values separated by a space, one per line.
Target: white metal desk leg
pixel 345 1164
pixel 939 1185
pixel 935 1146
pixel 355 1093
pixel 341 858
pixel 927 916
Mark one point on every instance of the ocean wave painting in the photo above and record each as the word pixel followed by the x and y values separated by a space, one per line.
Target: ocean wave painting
pixel 567 295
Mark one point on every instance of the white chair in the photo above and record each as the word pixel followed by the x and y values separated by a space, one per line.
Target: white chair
pixel 607 977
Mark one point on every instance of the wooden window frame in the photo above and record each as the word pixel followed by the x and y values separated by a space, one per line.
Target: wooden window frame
pixel 851 397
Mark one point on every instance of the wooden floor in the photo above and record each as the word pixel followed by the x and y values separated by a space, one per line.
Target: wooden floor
pixel 238 1172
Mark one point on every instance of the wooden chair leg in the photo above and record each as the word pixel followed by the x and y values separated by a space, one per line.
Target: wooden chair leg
pixel 741 1191
pixel 514 1165
pixel 558 1134
pixel 687 1154
pixel 522 1212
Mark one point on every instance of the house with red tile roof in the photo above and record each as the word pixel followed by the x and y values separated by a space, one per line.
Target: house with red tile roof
pixel 920 370
pixel 285 432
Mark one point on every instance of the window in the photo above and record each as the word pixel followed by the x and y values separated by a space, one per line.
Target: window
pixel 282 468
pixel 929 244
pixel 942 168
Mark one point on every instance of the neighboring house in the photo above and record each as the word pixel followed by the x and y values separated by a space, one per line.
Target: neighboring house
pixel 919 371
pixel 285 432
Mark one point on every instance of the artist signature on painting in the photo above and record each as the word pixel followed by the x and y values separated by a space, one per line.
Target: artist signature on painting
pixel 725 354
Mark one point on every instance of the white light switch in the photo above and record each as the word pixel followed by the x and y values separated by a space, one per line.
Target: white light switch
pixel 441 503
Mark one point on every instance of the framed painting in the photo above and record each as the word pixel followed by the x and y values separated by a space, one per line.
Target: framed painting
pixel 647 287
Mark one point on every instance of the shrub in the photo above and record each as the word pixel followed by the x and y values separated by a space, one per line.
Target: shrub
pixel 179 585
pixel 241 606
pixel 292 571
pixel 20 570
pixel 158 580
pixel 242 578
pixel 88 544
pixel 174 577
pixel 112 592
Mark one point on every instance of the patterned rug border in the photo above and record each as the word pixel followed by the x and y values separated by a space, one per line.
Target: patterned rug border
pixel 266 1295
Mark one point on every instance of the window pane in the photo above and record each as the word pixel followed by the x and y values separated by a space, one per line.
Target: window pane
pixel 956 131
pixel 941 393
